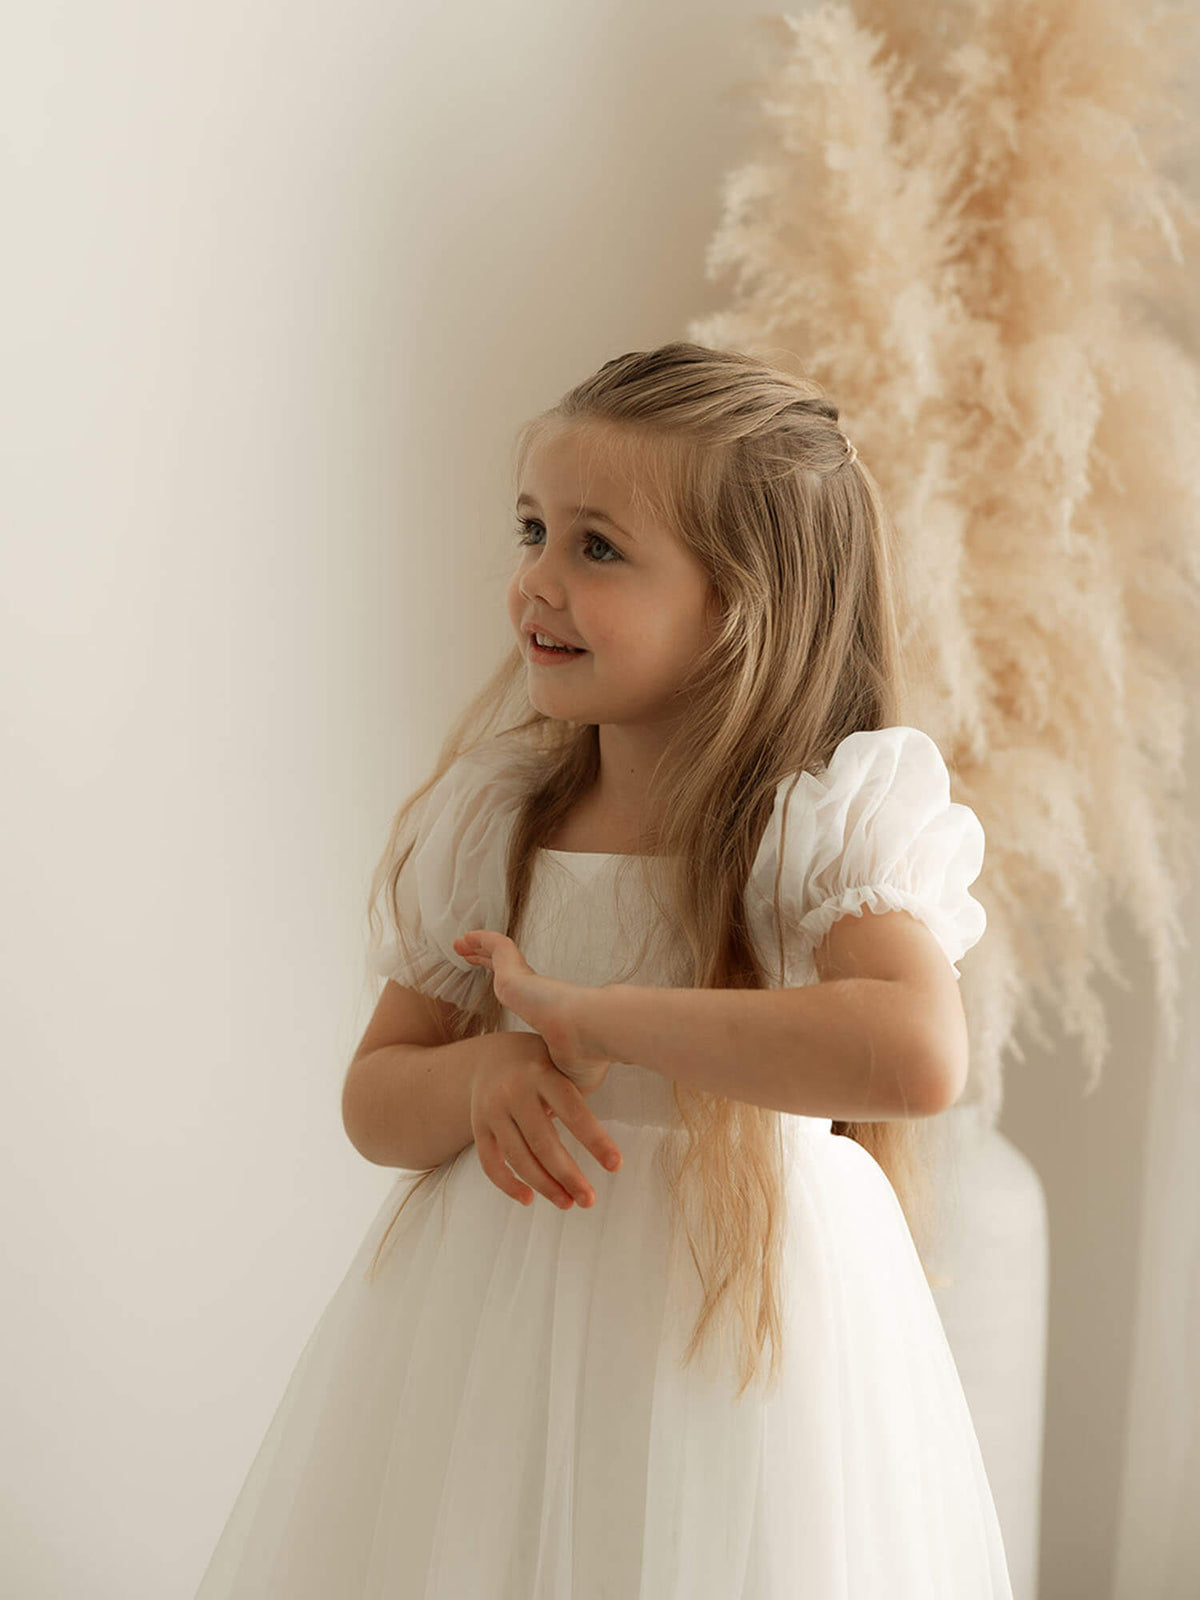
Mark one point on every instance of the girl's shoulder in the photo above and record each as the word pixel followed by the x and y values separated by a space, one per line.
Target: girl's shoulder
pixel 873 828
pixel 454 876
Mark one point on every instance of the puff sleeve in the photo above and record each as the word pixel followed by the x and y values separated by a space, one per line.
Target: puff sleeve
pixel 454 877
pixel 875 828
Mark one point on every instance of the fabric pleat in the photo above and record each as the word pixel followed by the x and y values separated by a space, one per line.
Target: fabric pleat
pixel 503 1413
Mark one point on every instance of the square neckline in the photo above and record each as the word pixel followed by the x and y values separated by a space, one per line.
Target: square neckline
pixel 600 855
pixel 546 850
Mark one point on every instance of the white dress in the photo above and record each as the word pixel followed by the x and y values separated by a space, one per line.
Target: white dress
pixel 502 1415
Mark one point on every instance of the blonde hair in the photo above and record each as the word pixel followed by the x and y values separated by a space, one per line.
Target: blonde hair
pixel 747 465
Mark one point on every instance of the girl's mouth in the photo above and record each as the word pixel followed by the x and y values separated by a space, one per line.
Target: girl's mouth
pixel 549 657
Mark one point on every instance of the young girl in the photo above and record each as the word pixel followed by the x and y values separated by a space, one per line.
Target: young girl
pixel 672 987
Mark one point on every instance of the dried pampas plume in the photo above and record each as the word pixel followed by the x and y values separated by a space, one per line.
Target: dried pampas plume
pixel 962 225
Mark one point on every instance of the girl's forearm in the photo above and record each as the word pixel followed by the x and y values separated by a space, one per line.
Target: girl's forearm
pixel 853 1049
pixel 409 1105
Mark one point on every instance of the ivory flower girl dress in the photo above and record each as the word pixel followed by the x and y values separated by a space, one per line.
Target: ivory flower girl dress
pixel 501 1413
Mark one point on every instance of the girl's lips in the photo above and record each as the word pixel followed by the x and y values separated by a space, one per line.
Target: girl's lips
pixel 553 658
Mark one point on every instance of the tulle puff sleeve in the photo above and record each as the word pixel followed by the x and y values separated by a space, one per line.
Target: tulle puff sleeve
pixel 874 829
pixel 454 878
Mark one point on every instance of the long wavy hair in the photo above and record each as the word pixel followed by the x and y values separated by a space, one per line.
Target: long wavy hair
pixel 745 462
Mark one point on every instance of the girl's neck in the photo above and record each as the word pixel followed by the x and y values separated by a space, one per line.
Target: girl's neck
pixel 591 829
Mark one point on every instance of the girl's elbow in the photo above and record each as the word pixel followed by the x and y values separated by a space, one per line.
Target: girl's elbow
pixel 941 1085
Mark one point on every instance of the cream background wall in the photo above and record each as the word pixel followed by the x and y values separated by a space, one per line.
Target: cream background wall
pixel 278 286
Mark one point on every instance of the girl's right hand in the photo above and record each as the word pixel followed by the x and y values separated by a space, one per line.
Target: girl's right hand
pixel 514 1095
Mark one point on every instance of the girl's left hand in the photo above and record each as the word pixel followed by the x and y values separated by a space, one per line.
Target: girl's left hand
pixel 549 1005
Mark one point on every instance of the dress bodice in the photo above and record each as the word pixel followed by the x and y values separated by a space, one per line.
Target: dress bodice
pixel 585 922
pixel 874 829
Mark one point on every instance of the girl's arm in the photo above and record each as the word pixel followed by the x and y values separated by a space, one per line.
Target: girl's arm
pixel 409 1105
pixel 889 1042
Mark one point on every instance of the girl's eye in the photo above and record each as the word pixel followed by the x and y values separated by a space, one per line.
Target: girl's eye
pixel 524 524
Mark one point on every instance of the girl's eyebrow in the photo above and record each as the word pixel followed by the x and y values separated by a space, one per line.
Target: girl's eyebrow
pixel 580 511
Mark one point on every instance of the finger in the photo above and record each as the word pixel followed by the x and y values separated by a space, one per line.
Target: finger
pixel 575 1113
pixel 491 1159
pixel 548 1149
pixel 516 1151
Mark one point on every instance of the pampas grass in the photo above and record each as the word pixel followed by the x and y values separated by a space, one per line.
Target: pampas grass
pixel 961 224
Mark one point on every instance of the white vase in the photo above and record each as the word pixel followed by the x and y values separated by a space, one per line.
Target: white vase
pixel 988 1257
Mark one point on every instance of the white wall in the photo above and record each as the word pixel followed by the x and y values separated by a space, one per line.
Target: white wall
pixel 1116 1518
pixel 279 285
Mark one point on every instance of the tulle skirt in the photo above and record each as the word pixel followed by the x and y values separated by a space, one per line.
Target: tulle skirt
pixel 502 1413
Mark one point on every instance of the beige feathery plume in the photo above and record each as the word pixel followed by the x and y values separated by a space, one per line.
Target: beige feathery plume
pixel 960 225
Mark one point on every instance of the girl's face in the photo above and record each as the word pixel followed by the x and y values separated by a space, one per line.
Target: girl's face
pixel 624 589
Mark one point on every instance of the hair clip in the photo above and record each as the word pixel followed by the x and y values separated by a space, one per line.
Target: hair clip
pixel 851 452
